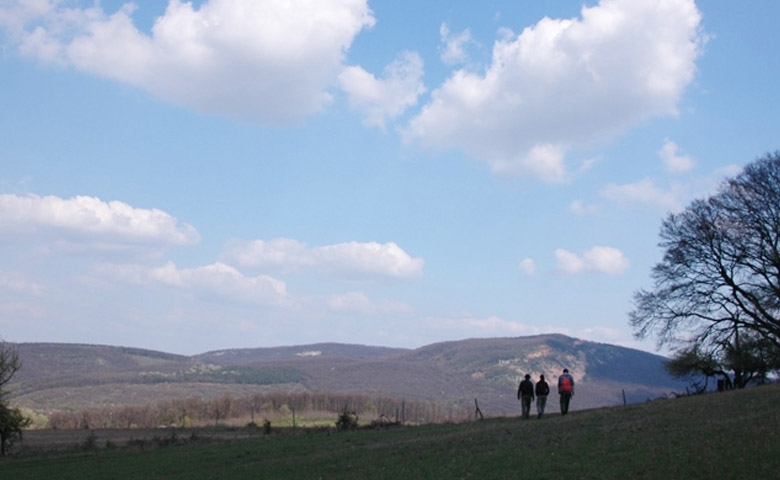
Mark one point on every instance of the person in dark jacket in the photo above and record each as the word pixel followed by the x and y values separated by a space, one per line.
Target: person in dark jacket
pixel 525 393
pixel 542 390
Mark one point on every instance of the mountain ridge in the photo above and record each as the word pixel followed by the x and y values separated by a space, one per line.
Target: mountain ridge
pixel 71 376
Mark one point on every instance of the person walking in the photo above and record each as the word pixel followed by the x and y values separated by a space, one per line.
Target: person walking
pixel 565 390
pixel 525 393
pixel 542 390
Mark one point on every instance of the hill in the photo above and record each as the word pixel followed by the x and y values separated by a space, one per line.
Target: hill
pixel 67 377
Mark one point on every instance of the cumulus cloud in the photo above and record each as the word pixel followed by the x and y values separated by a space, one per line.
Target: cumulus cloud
pixel 673 160
pixel 216 280
pixel 382 99
pixel 644 192
pixel 453 49
pixel 91 218
pixel 350 260
pixel 601 259
pixel 268 61
pixel 563 83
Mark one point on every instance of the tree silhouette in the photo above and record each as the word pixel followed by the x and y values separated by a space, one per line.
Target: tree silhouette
pixel 720 274
pixel 11 419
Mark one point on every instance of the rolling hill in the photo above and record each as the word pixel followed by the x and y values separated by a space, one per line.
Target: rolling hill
pixel 70 377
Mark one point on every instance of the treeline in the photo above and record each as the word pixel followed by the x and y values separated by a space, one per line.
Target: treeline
pixel 283 408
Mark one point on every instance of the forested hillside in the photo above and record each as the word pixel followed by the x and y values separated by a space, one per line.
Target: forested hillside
pixel 58 377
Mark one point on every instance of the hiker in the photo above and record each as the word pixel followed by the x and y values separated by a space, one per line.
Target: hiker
pixel 542 390
pixel 565 390
pixel 525 393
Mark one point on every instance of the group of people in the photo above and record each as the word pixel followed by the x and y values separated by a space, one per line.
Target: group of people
pixel 527 391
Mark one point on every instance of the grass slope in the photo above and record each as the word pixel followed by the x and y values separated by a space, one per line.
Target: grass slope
pixel 726 435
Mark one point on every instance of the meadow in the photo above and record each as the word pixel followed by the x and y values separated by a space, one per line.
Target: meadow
pixel 730 435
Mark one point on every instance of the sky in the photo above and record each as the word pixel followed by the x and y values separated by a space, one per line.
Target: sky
pixel 196 176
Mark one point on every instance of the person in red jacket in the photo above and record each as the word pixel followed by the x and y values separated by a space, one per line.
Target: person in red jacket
pixel 525 393
pixel 565 390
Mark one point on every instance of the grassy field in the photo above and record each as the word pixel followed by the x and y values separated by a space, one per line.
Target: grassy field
pixel 730 435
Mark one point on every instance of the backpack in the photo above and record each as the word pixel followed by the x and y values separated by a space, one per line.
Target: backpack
pixel 565 384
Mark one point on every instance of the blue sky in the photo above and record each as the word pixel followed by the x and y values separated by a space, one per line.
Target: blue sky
pixel 239 173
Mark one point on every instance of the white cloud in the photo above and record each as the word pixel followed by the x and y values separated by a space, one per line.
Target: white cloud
pixel 498 326
pixel 601 259
pixel 566 83
pixel 18 285
pixel 670 198
pixel 14 15
pixel 215 280
pixel 528 267
pixel 569 262
pixel 91 218
pixel 351 302
pixel 453 49
pixel 280 254
pixel 644 192
pixel 580 208
pixel 268 61
pixel 383 99
pixel 471 326
pixel 372 259
pixel 673 161
pixel 350 260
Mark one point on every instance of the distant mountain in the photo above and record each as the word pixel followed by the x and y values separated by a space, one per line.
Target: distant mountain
pixel 242 356
pixel 65 376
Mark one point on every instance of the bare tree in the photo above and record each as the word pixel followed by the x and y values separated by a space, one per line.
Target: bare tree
pixel 11 419
pixel 9 365
pixel 720 272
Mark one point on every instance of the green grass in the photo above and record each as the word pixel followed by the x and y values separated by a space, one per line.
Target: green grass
pixel 730 435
